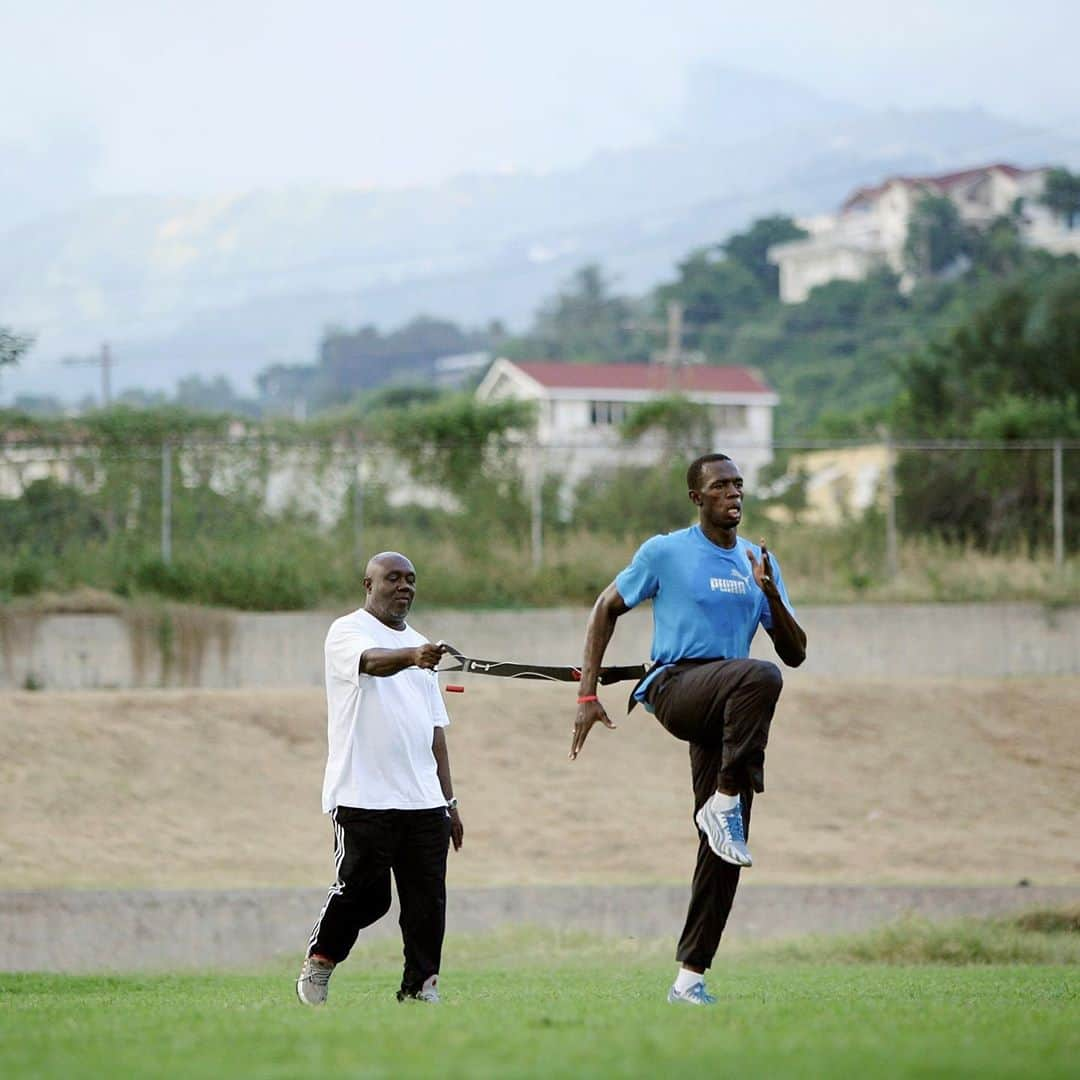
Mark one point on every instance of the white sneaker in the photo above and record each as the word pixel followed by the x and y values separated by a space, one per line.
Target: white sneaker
pixel 311 984
pixel 695 995
pixel 724 831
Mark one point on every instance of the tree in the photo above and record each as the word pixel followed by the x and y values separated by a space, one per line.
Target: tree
pixel 287 388
pixel 1009 372
pixel 585 322
pixel 750 249
pixel 38 404
pixel 712 290
pixel 998 249
pixel 211 395
pixel 398 396
pixel 634 500
pixel 684 425
pixel 364 359
pixel 1025 341
pixel 846 305
pixel 464 448
pixel 13 345
pixel 936 238
pixel 47 516
pixel 137 398
pixel 1061 195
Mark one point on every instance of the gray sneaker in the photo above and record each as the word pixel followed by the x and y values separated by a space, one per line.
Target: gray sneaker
pixel 724 831
pixel 311 984
pixel 428 994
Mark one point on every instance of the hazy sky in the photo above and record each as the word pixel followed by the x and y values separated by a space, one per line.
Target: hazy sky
pixel 218 95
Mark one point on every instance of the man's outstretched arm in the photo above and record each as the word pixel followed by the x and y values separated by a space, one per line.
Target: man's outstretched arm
pixel 384 662
pixel 607 609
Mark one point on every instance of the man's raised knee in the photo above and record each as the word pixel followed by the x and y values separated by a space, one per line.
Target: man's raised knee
pixel 768 676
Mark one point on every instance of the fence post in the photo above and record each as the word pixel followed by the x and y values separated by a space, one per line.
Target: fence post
pixel 536 514
pixel 1059 507
pixel 358 511
pixel 891 558
pixel 166 501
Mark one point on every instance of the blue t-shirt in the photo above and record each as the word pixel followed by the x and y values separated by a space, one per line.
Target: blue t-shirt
pixel 706 602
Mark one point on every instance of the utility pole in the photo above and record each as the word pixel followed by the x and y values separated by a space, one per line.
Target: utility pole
pixel 536 505
pixel 673 353
pixel 674 356
pixel 358 511
pixel 104 361
pixel 106 366
pixel 1059 507
pixel 892 558
pixel 166 502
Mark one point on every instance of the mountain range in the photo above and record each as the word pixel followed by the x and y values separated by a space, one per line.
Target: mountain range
pixel 229 285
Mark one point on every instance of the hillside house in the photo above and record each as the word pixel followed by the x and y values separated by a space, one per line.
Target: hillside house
pixel 872 225
pixel 580 408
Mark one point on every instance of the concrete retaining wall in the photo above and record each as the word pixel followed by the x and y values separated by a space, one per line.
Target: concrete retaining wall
pixel 215 649
pixel 137 931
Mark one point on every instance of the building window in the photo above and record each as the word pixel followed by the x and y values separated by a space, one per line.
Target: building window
pixel 729 417
pixel 606 413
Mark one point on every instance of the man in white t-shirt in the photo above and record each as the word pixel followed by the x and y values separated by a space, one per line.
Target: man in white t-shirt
pixel 387 786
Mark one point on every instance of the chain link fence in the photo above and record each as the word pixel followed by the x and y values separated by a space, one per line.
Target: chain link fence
pixel 286 524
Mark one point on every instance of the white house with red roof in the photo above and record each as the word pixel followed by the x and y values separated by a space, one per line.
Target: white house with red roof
pixel 580 407
pixel 872 226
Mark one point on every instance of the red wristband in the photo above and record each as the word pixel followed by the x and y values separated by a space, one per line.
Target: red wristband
pixel 586 698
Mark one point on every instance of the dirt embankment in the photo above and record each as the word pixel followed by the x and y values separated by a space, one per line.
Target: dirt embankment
pixel 868 781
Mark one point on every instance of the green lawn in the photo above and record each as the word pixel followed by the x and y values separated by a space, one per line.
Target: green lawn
pixel 545 1006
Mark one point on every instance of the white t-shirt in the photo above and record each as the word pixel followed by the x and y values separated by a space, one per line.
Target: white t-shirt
pixel 379 729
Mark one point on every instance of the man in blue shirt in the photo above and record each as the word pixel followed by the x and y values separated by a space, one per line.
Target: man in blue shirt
pixel 710 591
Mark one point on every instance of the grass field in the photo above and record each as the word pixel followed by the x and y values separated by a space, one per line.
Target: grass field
pixel 530 1004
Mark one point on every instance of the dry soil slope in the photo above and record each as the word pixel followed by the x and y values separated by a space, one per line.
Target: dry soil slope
pixel 908 781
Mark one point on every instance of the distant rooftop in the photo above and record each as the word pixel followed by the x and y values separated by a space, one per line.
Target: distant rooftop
pixel 702 378
pixel 942 182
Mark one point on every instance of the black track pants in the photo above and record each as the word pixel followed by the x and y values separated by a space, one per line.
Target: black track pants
pixel 723 709
pixel 369 845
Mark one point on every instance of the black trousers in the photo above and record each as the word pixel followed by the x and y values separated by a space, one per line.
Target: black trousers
pixel 723 709
pixel 369 846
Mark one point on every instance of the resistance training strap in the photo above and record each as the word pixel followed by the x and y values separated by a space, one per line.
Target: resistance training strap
pixel 507 670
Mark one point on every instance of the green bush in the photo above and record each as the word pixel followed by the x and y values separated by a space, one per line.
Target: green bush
pixel 256 582
pixel 49 516
pixel 634 501
pixel 174 580
pixel 26 577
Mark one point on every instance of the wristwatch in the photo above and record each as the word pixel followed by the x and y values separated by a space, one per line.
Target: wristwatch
pixel 451 803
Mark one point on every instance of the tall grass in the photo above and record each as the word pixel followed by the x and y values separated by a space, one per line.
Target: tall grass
pixel 1035 937
pixel 1039 937
pixel 293 565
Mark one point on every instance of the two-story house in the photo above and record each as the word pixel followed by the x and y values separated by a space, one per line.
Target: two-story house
pixel 581 406
pixel 871 227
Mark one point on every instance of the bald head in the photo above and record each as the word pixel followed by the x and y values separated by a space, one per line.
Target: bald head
pixel 390 582
pixel 386 558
